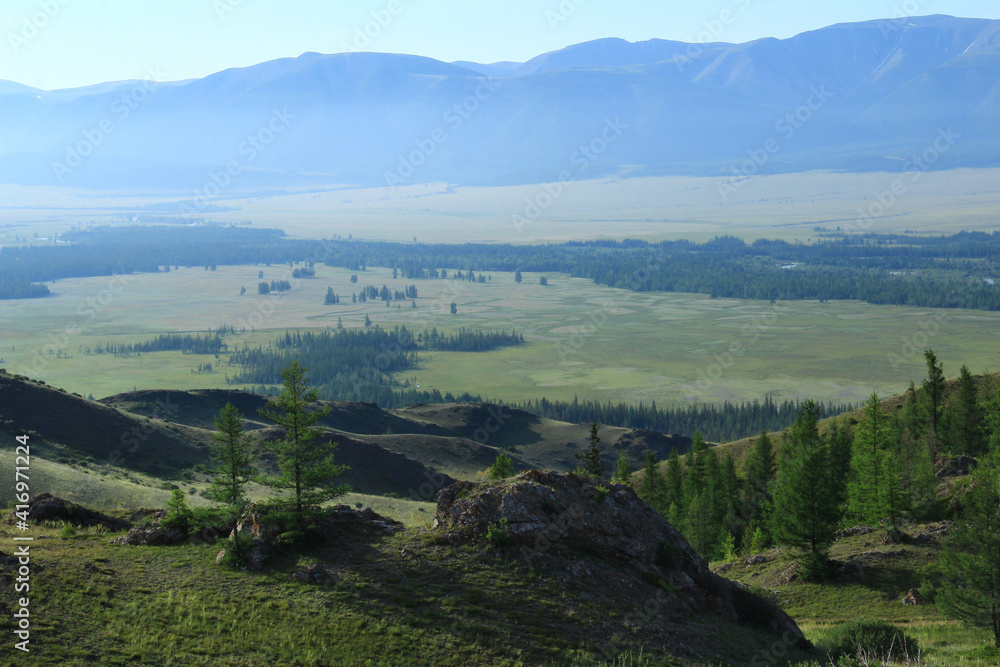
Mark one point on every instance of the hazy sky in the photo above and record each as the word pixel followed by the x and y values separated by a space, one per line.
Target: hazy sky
pixel 63 43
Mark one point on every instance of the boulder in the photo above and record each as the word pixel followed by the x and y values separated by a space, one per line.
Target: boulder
pixel 46 507
pixel 960 465
pixel 314 574
pixel 151 535
pixel 261 532
pixel 550 518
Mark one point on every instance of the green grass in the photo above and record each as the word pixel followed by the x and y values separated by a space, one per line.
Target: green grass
pixel 875 592
pixel 408 598
pixel 641 347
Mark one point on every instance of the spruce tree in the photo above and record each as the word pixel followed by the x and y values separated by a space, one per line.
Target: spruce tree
pixel 805 508
pixel 232 463
pixel 306 463
pixel 971 560
pixel 674 494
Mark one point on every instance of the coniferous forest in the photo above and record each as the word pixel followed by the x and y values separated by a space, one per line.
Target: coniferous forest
pixel 956 271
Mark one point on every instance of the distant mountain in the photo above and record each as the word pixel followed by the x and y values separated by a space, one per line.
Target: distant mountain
pixel 859 96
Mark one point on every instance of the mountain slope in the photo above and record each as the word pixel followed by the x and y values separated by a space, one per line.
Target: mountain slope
pixel 855 93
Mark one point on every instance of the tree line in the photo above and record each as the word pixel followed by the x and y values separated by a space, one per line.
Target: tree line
pixel 799 490
pixel 942 271
pixel 719 423
pixel 208 343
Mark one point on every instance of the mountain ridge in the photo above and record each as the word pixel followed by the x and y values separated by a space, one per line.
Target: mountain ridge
pixel 389 119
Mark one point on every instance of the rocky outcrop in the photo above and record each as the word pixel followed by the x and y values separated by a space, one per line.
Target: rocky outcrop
pixel 958 466
pixel 151 536
pixel 46 507
pixel 262 533
pixel 548 516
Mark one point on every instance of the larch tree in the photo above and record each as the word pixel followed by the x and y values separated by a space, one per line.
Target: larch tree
pixel 932 391
pixel 805 509
pixel 971 560
pixel 873 489
pixel 591 463
pixel 306 462
pixel 966 416
pixel 232 464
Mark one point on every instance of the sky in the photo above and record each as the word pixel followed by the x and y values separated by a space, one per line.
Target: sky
pixel 53 44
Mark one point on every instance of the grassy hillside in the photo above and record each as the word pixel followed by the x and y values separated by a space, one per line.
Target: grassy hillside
pixel 872 579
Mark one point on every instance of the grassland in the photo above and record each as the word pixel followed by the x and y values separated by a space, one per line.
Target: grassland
pixel 783 206
pixel 876 578
pixel 583 340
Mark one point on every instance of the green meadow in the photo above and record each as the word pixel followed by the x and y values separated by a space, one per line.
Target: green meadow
pixel 582 339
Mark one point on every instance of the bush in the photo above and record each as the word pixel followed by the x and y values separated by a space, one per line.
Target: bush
pixel 928 591
pixel 178 513
pixel 870 639
pixel 67 531
pixel 237 552
pixel 602 492
pixel 498 532
pixel 502 468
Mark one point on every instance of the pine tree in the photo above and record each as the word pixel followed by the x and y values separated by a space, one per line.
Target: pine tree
pixel 306 463
pixel 971 561
pixel 590 460
pixel 805 509
pixel 233 463
pixel 966 416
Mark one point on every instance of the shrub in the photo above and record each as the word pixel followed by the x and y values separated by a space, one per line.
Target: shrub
pixel 502 468
pixel 498 532
pixel 237 551
pixel 67 531
pixel 870 639
pixel 928 591
pixel 602 492
pixel 178 513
